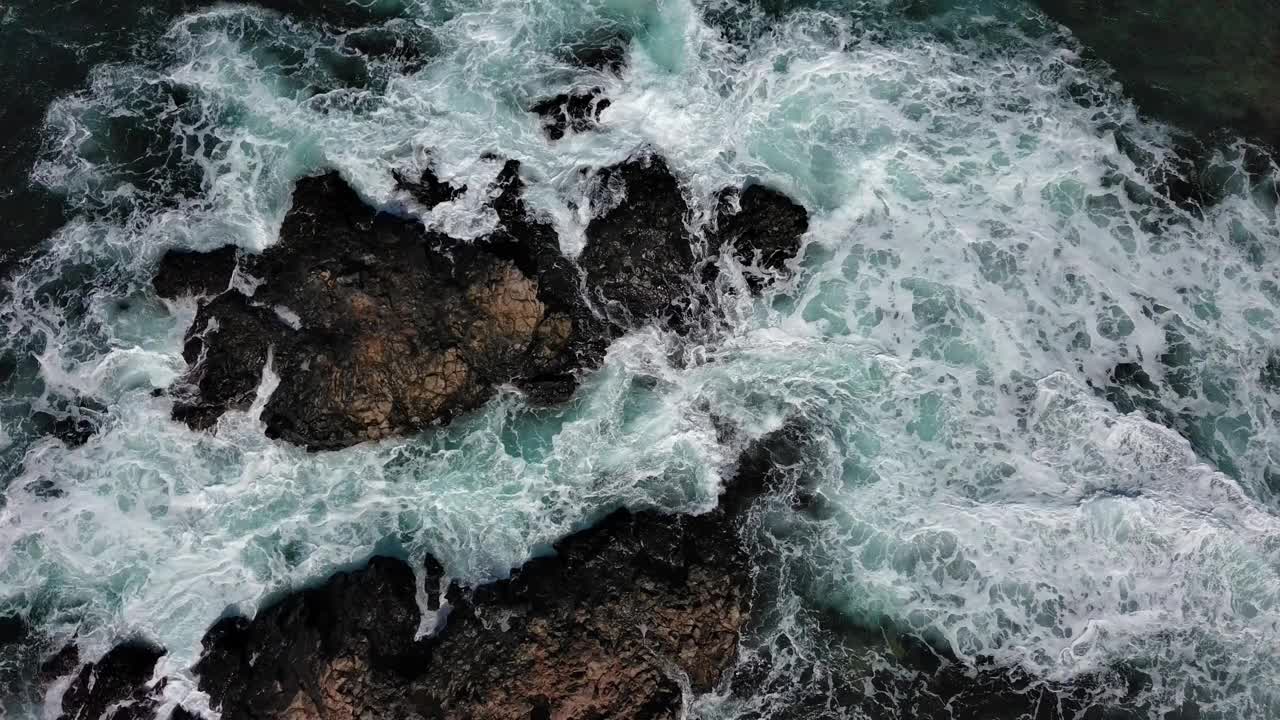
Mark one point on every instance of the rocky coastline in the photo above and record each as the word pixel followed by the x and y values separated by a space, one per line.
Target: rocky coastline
pixel 378 327
pixel 635 617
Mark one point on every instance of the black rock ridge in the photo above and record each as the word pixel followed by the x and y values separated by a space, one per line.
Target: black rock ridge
pixel 615 624
pixel 378 327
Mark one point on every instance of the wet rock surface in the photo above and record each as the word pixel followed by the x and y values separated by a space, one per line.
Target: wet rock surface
pixel 115 687
pixel 611 625
pixel 186 272
pixel 429 189
pixel 761 227
pixel 639 252
pixel 377 327
pixel 571 112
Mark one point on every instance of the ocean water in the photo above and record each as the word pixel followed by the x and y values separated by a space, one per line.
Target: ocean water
pixel 988 241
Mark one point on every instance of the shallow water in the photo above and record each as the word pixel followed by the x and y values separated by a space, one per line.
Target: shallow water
pixel 982 254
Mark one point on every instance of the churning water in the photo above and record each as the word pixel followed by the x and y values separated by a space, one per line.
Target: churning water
pixel 988 243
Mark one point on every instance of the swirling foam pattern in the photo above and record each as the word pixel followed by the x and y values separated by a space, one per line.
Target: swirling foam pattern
pixel 987 245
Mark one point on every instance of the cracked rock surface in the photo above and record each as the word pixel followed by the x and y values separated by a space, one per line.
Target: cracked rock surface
pixel 378 327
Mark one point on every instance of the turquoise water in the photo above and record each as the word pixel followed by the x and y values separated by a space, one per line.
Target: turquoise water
pixel 981 254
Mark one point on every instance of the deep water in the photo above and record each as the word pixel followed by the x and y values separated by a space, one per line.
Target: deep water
pixel 1045 385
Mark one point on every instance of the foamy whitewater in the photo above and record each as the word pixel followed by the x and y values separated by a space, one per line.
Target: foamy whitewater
pixel 982 254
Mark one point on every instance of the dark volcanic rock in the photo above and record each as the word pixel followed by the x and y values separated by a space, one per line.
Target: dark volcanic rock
pixel 605 628
pixel 187 272
pixel 639 253
pixel 226 374
pixel 571 112
pixel 429 189
pixel 377 327
pixel 333 651
pixel 762 227
pixel 60 664
pixel 119 678
pixel 579 110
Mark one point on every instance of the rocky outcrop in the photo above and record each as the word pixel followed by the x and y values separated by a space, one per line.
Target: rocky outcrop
pixel 620 622
pixel 579 110
pixel 571 112
pixel 377 327
pixel 612 625
pixel 640 248
pixel 187 272
pixel 115 687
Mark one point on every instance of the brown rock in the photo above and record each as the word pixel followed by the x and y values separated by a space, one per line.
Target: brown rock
pixel 607 627
pixel 377 327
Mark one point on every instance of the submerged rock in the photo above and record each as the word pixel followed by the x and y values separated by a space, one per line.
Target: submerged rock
pixel 879 670
pixel 19 650
pixel 29 663
pixel 73 421
pixel 1199 63
pixel 378 327
pixel 571 112
pixel 73 429
pixel 607 54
